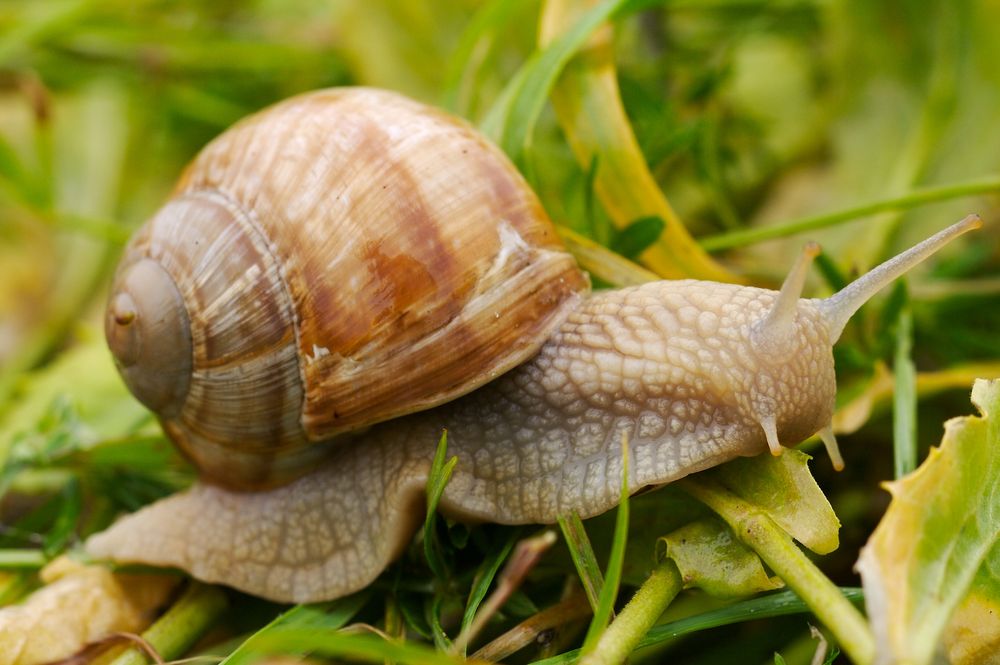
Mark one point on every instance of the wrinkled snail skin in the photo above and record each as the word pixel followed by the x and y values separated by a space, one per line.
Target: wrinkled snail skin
pixel 690 373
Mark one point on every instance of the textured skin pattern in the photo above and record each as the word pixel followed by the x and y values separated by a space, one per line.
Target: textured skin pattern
pixel 672 365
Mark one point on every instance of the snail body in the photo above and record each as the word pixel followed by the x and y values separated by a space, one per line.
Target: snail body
pixel 330 486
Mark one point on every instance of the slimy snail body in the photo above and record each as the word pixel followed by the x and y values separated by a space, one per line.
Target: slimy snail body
pixel 340 277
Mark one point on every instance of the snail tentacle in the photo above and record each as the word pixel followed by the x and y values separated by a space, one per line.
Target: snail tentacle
pixel 841 306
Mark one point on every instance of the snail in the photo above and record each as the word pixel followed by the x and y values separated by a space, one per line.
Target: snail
pixel 342 276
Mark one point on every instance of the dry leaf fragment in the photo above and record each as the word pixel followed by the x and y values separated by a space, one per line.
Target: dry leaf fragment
pixel 78 604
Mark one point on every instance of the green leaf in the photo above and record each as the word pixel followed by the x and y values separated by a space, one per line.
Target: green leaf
pixel 413 614
pixel 904 398
pixel 484 578
pixel 70 507
pixel 973 635
pixel 57 434
pixel 784 488
pixel 432 612
pixel 473 50
pixel 356 647
pixel 638 236
pixel 711 559
pixel 317 616
pixel 512 119
pixel 781 603
pixel 84 377
pixel 942 523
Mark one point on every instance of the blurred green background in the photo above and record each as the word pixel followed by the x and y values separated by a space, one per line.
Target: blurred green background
pixel 749 114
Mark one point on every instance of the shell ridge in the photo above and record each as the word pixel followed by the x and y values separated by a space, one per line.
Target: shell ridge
pixel 247 218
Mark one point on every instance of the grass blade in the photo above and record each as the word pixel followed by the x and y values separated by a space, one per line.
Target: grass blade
pixel 915 198
pixel 512 119
pixel 609 592
pixel 904 398
pixel 584 559
pixel 357 647
pixel 637 617
pixel 473 50
pixel 484 578
pixel 326 616
pixel 22 558
pixel 436 482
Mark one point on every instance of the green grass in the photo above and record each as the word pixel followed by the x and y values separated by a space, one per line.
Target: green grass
pixel 760 125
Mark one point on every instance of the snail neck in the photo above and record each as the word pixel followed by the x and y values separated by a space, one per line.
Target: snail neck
pixel 667 365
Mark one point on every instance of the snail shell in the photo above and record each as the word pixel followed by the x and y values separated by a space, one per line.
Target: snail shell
pixel 342 258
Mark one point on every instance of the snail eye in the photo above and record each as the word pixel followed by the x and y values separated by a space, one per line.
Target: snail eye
pixel 149 335
pixel 123 330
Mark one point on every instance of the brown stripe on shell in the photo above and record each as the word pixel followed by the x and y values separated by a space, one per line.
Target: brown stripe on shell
pixel 383 215
pixel 401 270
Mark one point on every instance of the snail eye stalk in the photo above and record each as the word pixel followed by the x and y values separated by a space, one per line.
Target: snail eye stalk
pixel 841 306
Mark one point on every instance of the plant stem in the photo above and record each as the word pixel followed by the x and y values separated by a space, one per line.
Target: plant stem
pixel 572 609
pixel 776 548
pixel 26 558
pixel 194 613
pixel 904 398
pixel 637 617
pixel 915 198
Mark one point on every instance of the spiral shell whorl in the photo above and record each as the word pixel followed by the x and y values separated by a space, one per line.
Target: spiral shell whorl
pixel 348 256
pixel 394 226
pixel 239 418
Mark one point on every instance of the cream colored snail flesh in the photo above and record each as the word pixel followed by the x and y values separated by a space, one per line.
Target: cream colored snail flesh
pixel 340 277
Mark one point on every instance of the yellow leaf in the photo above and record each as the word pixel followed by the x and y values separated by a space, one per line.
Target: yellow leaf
pixel 78 605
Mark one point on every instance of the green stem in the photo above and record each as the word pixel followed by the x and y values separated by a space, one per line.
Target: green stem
pixel 174 633
pixel 915 198
pixel 904 399
pixel 637 617
pixel 776 548
pixel 22 559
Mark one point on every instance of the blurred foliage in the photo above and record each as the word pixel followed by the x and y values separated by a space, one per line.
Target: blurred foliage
pixel 749 113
